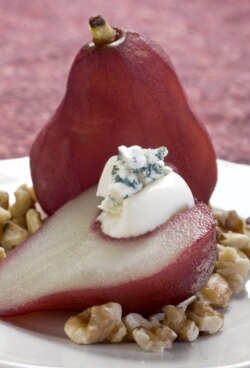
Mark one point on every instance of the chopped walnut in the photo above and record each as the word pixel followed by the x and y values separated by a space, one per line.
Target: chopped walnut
pixel 2 253
pixel 206 318
pixel 229 221
pixel 5 215
pixel 33 194
pixel 236 240
pixel 23 203
pixel 220 234
pixel 4 199
pixel 155 339
pixel 176 319
pixel 135 320
pixel 34 220
pixel 233 265
pixel 96 324
pixel 174 316
pixel 247 229
pixel 20 221
pixel 216 292
pixel 13 235
pixel 149 334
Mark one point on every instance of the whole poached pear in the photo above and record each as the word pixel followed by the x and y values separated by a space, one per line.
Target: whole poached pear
pixel 122 90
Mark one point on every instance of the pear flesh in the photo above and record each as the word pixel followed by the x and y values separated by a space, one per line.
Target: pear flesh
pixel 70 264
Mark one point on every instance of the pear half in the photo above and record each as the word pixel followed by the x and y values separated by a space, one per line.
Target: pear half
pixel 70 264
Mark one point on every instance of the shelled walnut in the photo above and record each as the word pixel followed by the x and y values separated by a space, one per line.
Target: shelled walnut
pixel 4 199
pixel 176 319
pixel 13 235
pixel 19 220
pixel 207 319
pixel 229 221
pixel 155 339
pixel 96 324
pixel 236 240
pixel 23 202
pixel 234 266
pixel 216 292
pixel 34 220
pixel 2 253
pixel 150 335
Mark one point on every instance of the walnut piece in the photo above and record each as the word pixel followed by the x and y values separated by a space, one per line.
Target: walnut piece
pixel 229 221
pixel 176 319
pixel 233 265
pixel 13 235
pixel 216 292
pixel 23 203
pixel 20 221
pixel 97 324
pixel 206 318
pixel 149 334
pixel 4 199
pixel 155 339
pixel 135 320
pixel 2 253
pixel 34 220
pixel 236 240
pixel 5 215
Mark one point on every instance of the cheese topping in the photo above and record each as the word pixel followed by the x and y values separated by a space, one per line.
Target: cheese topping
pixel 140 192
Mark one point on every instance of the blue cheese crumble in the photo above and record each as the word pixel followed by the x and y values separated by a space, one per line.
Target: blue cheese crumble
pixel 134 168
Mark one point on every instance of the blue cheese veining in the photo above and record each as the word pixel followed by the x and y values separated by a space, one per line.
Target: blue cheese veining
pixel 133 169
pixel 140 192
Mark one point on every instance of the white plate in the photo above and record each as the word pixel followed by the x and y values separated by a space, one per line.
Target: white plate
pixel 37 340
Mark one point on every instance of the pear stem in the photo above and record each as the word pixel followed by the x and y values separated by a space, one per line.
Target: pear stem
pixel 102 32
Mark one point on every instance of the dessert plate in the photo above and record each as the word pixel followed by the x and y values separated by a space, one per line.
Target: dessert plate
pixel 37 340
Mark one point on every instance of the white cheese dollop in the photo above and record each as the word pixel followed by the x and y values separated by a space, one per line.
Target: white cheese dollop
pixel 140 193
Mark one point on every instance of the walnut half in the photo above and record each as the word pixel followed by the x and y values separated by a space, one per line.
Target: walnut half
pixel 96 324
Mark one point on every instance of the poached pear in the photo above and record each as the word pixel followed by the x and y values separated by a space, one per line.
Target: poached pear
pixel 122 89
pixel 70 264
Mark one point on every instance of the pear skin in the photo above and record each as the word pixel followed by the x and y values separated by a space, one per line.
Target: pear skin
pixel 124 92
